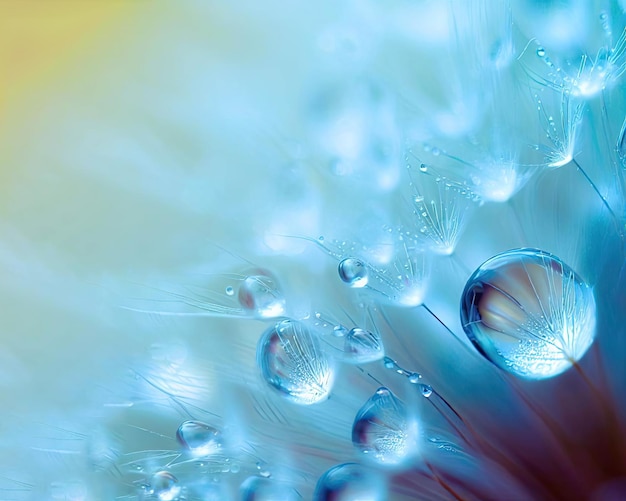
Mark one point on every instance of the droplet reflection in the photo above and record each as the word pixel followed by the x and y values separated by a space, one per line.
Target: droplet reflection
pixel 529 313
pixel 291 360
pixel 384 430
pixel 353 272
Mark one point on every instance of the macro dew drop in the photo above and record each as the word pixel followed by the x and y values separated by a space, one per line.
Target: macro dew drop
pixel 353 272
pixel 383 429
pixel 199 438
pixel 291 361
pixel 265 489
pixel 529 313
pixel 363 346
pixel 164 486
pixel 349 482
pixel 260 295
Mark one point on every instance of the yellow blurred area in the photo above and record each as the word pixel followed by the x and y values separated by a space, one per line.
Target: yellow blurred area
pixel 39 38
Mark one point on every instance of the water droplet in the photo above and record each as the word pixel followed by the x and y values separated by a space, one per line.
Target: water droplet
pixel 353 272
pixel 414 377
pixel 260 295
pixel 389 363
pixel 235 468
pixel 164 486
pixel 263 489
pixel 427 390
pixel 423 167
pixel 230 291
pixel 383 429
pixel 199 438
pixel 363 346
pixel 349 482
pixel 292 362
pixel 529 313
pixel 339 331
pixel 541 52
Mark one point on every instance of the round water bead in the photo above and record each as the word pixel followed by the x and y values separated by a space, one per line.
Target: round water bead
pixel 259 294
pixel 291 361
pixel 363 346
pixel 529 313
pixel 383 429
pixel 353 272
pixel 349 481
pixel 264 489
pixel 164 486
pixel 199 438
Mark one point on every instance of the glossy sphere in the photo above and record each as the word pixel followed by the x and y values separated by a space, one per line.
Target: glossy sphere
pixel 383 430
pixel 362 346
pixel 529 313
pixel 353 272
pixel 292 362
pixel 164 486
pixel 349 482
pixel 260 295
pixel 265 489
pixel 199 438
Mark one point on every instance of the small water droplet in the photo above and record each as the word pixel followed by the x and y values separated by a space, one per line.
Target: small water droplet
pixel 389 363
pixel 199 438
pixel 260 294
pixel 230 291
pixel 424 168
pixel 363 346
pixel 414 377
pixel 350 482
pixel 541 52
pixel 427 390
pixel 264 489
pixel 292 362
pixel 383 430
pixel 339 331
pixel 164 486
pixel 353 272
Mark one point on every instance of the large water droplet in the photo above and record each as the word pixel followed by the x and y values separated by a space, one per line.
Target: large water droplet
pixel 164 486
pixel 363 346
pixel 383 429
pixel 263 489
pixel 353 272
pixel 260 295
pixel 199 438
pixel 291 360
pixel 529 313
pixel 349 482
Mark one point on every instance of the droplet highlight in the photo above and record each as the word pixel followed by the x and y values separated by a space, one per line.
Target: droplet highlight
pixel 349 482
pixel 363 346
pixel 383 429
pixel 291 361
pixel 529 313
pixel 199 438
pixel 353 272
pixel 260 295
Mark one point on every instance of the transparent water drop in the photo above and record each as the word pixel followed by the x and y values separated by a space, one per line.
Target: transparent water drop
pixel 353 272
pixel 260 295
pixel 230 291
pixel 363 346
pixel 339 331
pixel 292 362
pixel 383 429
pixel 350 482
pixel 164 486
pixel 427 390
pixel 541 52
pixel 529 313
pixel 423 168
pixel 199 438
pixel 264 489
pixel 414 377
